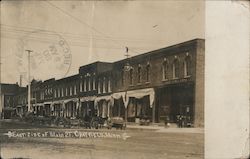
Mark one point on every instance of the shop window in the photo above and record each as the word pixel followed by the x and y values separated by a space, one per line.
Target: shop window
pixel 147 72
pixel 176 68
pixel 165 70
pixel 187 66
pixel 131 76
pixel 139 74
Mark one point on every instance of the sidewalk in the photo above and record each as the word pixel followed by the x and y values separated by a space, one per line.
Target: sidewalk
pixel 163 129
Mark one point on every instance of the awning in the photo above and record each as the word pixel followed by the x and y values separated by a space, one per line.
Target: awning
pixel 47 103
pixel 19 106
pixel 71 100
pixel 89 98
pixel 38 104
pixel 140 93
pixel 107 98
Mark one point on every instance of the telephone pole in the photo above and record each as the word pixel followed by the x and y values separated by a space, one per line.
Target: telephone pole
pixel 29 107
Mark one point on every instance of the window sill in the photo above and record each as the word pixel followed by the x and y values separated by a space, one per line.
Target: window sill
pixel 164 80
pixel 147 82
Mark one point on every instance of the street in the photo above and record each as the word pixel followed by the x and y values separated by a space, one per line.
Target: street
pixel 143 144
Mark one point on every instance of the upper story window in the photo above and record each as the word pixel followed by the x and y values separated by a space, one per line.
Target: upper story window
pixel 176 68
pixel 99 86
pixel 123 77
pixel 109 85
pixel 131 76
pixel 81 86
pixel 187 66
pixel 93 83
pixel 147 72
pixel 70 91
pixel 58 92
pixel 55 93
pixel 74 89
pixel 62 92
pixel 89 84
pixel 165 69
pixel 104 85
pixel 84 87
pixel 139 74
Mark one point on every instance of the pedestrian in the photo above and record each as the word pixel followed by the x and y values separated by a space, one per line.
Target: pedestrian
pixel 167 124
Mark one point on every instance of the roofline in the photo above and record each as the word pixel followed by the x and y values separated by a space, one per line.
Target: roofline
pixel 161 49
pixel 95 63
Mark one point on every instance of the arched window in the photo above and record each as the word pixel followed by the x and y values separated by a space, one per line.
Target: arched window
pixel 123 78
pixel 93 83
pixel 131 76
pixel 99 86
pixel 139 74
pixel 89 84
pixel 165 70
pixel 176 68
pixel 81 86
pixel 187 66
pixel 85 85
pixel 109 85
pixel 104 85
pixel 147 72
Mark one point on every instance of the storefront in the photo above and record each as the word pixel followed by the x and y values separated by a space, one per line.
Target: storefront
pixel 71 108
pixel 38 109
pixel 87 106
pixel 175 100
pixel 103 105
pixel 47 108
pixel 57 109
pixel 137 104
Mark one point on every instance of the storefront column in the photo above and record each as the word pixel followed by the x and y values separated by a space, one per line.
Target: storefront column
pixel 153 113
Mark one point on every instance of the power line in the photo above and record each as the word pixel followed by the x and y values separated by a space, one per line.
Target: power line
pixel 31 29
pixel 80 21
pixel 73 43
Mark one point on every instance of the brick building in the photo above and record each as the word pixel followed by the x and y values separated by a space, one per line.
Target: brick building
pixel 8 102
pixel 163 83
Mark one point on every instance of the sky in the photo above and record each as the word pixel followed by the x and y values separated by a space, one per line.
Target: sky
pixel 64 35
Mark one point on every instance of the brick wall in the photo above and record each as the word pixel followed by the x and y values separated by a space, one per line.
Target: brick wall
pixel 199 84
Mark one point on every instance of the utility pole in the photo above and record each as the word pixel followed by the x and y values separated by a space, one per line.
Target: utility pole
pixel 1 105
pixel 29 107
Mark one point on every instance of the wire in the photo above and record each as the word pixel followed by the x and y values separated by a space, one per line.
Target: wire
pixel 30 29
pixel 80 21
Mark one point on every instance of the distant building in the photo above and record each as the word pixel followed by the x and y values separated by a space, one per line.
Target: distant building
pixel 165 83
pixel 7 104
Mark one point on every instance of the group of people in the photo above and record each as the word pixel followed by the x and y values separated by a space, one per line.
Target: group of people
pixel 181 120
